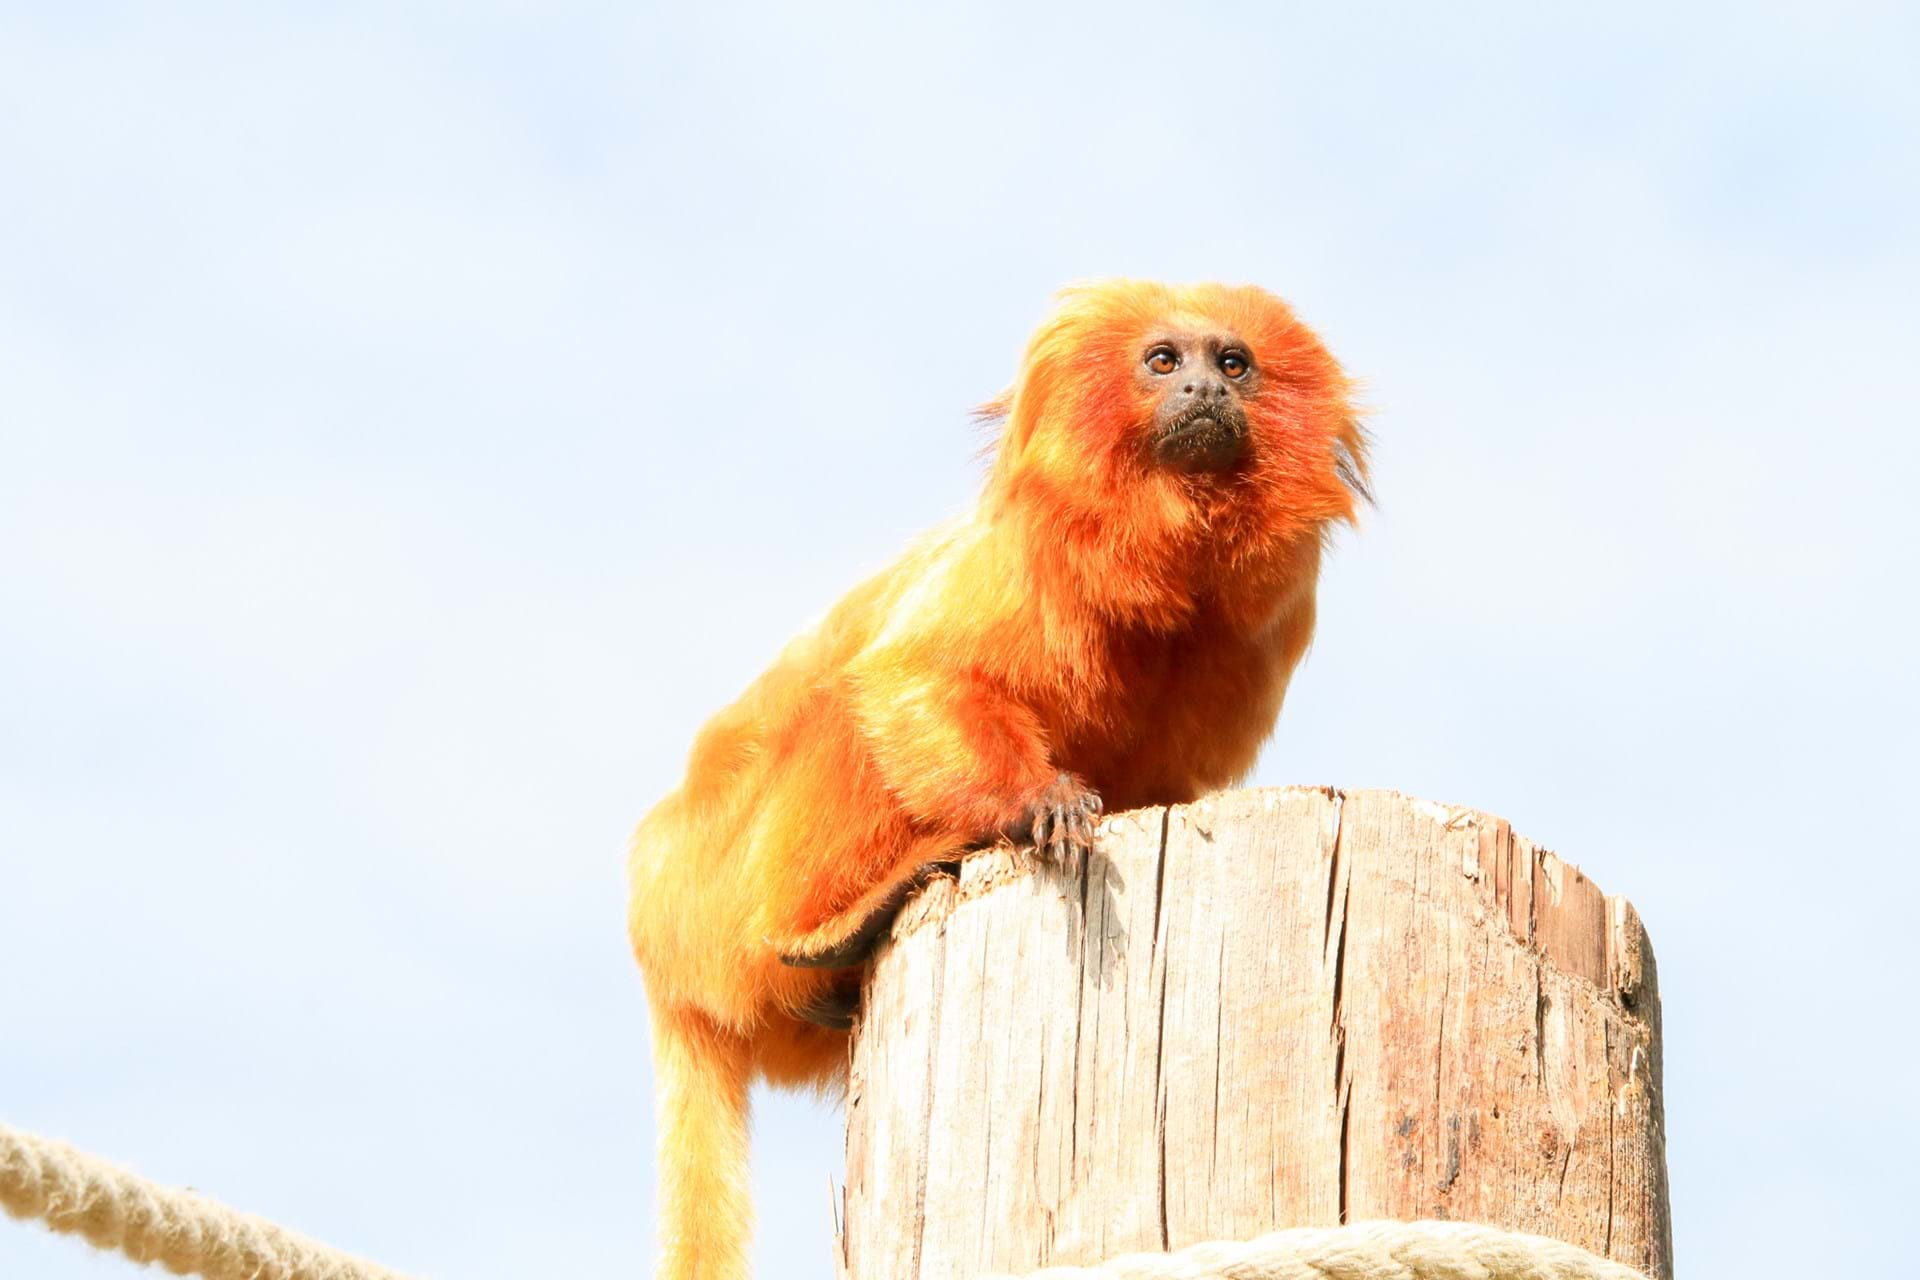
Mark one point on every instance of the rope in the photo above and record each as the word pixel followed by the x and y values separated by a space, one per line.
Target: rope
pixel 1364 1251
pixel 183 1231
pixel 191 1235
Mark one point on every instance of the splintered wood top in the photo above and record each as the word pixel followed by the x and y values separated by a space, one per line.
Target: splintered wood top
pixel 1279 1007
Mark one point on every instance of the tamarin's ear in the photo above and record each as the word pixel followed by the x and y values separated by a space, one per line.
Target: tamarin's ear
pixel 995 409
pixel 988 418
pixel 1350 445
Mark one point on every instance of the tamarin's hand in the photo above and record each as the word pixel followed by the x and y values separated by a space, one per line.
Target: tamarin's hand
pixel 1116 620
pixel 1061 819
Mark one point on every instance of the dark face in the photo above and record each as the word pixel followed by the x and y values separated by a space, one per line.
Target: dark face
pixel 1202 381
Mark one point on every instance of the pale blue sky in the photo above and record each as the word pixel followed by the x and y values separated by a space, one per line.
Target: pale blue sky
pixel 415 420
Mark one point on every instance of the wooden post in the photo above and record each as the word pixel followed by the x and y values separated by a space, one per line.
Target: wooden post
pixel 1272 1008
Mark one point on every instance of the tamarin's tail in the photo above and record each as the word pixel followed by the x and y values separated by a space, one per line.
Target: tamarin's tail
pixel 700 1075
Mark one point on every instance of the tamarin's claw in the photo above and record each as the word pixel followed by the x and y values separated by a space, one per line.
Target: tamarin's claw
pixel 833 1008
pixel 1061 819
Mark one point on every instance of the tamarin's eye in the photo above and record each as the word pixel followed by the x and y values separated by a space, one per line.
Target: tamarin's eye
pixel 1162 360
pixel 1234 365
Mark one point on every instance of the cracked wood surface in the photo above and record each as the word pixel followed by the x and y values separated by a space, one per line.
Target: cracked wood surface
pixel 1282 1007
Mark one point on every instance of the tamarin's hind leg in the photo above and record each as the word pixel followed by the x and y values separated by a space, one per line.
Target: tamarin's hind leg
pixel 850 936
pixel 1058 821
pixel 700 1074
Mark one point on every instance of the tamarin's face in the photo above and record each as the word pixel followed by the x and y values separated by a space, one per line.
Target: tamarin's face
pixel 1129 379
pixel 1199 380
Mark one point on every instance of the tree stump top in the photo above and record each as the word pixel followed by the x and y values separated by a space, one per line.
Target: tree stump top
pixel 1279 1007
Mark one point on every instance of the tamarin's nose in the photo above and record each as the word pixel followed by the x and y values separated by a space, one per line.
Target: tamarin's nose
pixel 1205 389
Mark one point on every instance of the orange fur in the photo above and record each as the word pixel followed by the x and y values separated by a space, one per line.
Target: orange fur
pixel 1095 613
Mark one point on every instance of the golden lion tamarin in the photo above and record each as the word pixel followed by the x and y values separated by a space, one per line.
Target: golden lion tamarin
pixel 1115 622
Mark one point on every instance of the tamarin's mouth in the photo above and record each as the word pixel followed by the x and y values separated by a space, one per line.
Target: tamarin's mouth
pixel 1201 443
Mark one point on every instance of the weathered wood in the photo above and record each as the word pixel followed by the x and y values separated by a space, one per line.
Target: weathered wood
pixel 1285 1007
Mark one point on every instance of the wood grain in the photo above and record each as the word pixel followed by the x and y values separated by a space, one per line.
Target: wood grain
pixel 1282 1007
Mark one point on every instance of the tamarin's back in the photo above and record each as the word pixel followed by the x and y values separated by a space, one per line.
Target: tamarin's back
pixel 1117 619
